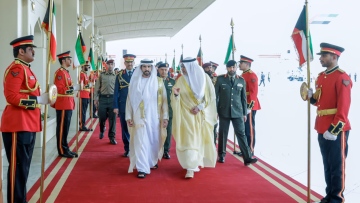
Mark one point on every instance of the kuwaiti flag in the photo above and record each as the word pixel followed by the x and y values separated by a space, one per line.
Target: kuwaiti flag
pixel 91 59
pixel 79 52
pixel 199 57
pixel 299 38
pixel 45 25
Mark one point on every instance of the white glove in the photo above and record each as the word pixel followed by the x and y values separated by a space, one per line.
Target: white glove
pixel 248 111
pixel 43 99
pixel 76 87
pixel 310 93
pixel 90 84
pixel 328 136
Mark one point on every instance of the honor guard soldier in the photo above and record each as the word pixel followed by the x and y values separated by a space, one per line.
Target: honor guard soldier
pixel 332 99
pixel 104 98
pixel 93 77
pixel 21 118
pixel 209 69
pixel 230 92
pixel 85 86
pixel 169 83
pixel 120 96
pixel 64 105
pixel 253 103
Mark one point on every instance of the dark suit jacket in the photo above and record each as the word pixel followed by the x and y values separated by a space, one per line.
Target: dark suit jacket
pixel 231 99
pixel 121 91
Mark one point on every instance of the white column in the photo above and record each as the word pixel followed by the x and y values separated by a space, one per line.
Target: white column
pixel 10 28
pixel 88 9
pixel 69 14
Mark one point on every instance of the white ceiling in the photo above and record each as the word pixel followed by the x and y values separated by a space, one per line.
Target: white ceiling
pixel 124 19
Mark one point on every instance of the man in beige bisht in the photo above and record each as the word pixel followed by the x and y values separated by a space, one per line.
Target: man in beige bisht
pixel 147 118
pixel 194 115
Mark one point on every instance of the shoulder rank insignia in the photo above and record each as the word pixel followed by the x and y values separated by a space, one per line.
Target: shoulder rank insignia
pixel 346 82
pixel 14 73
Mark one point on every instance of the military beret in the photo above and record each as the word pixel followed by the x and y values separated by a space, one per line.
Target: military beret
pixel 330 48
pixel 246 59
pixel 64 55
pixel 158 63
pixel 129 57
pixel 230 63
pixel 26 40
pixel 110 61
pixel 163 65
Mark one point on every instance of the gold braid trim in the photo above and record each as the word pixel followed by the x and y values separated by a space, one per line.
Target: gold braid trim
pixel 317 94
pixel 160 92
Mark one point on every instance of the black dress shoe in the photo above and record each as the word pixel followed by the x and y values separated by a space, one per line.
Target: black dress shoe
pixel 221 160
pixel 113 141
pixel 74 154
pixel 250 161
pixel 67 155
pixel 84 129
pixel 101 136
pixel 166 155
pixel 126 154
pixel 95 116
pixel 239 154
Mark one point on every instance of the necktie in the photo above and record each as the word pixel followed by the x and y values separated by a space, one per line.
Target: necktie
pixel 130 73
pixel 232 81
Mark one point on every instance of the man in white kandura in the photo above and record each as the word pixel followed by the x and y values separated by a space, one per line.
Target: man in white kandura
pixel 194 115
pixel 147 118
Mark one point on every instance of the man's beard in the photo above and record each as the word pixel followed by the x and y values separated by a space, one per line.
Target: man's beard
pixel 231 73
pixel 146 73
pixel 86 69
pixel 209 73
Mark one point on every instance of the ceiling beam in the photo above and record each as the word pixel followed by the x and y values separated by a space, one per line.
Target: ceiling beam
pixel 154 29
pixel 145 10
pixel 150 21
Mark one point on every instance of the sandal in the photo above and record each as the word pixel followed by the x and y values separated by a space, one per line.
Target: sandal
pixel 141 174
pixel 155 167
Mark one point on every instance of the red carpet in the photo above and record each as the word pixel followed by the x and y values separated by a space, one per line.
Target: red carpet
pixel 100 175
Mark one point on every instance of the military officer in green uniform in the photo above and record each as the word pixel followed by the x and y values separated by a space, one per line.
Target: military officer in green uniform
pixel 163 70
pixel 231 103
pixel 209 69
pixel 104 98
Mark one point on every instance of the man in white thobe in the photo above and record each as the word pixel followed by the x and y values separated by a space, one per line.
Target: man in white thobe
pixel 194 115
pixel 147 118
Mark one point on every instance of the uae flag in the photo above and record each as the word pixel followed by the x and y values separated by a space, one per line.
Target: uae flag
pixel 91 59
pixel 180 61
pixel 299 37
pixel 46 25
pixel 199 57
pixel 230 48
pixel 79 52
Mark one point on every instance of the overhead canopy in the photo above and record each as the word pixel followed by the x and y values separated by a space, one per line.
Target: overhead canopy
pixel 124 19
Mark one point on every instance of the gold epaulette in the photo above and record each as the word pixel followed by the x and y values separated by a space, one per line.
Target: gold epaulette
pixel 341 70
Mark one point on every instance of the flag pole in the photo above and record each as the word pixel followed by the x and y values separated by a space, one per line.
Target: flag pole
pixel 91 98
pixel 46 110
pixel 79 100
pixel 308 105
pixel 233 58
pixel 201 57
pixel 182 49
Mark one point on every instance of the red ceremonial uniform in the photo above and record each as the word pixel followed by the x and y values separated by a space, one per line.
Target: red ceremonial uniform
pixel 251 80
pixel 93 77
pixel 333 90
pixel 85 92
pixel 63 82
pixel 21 88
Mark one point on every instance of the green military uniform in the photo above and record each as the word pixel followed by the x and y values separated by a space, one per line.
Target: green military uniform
pixel 231 106
pixel 169 84
pixel 104 93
